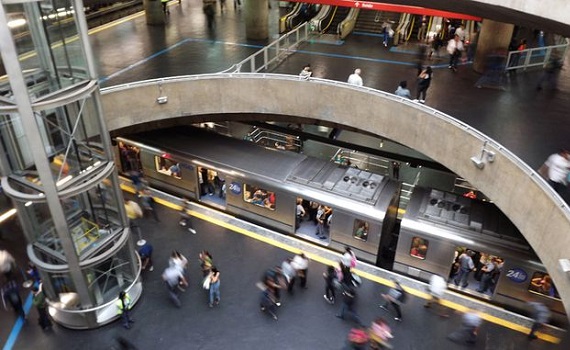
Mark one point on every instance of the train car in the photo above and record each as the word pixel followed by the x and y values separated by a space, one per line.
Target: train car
pixel 342 205
pixel 357 209
pixel 437 227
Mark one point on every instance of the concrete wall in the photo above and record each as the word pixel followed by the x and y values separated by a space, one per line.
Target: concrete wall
pixel 515 188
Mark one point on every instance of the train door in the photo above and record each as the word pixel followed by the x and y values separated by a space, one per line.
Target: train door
pixel 313 220
pixel 129 157
pixel 212 187
pixel 482 278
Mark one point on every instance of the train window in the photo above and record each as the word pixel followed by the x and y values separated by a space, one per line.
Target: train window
pixel 419 248
pixel 259 196
pixel 360 230
pixel 541 283
pixel 167 166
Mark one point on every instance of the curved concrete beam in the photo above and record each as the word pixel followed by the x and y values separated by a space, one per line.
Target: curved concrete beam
pixel 516 189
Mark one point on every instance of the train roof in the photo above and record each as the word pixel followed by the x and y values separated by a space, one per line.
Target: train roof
pixel 463 216
pixel 272 164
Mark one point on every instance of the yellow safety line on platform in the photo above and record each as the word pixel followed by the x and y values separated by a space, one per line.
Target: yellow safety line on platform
pixel 368 276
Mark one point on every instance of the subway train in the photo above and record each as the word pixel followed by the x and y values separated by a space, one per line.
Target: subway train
pixel 337 205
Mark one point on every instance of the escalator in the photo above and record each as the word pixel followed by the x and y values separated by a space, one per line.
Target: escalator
pixel 339 15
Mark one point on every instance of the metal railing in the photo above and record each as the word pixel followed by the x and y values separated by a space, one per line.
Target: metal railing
pixel 536 57
pixel 276 139
pixel 273 53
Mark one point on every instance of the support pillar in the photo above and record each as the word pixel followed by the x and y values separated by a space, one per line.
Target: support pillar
pixel 256 19
pixel 494 36
pixel 153 12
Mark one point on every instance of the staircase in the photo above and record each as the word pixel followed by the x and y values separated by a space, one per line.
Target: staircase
pixel 371 21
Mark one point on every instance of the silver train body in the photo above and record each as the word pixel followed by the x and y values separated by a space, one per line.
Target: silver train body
pixel 444 222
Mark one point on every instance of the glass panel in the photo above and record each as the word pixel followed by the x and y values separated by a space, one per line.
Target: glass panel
pixel 419 248
pixel 61 291
pixel 360 230
pixel 70 135
pixel 541 283
pixel 108 278
pixel 259 196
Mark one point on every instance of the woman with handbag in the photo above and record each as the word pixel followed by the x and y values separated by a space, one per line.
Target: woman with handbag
pixel 214 287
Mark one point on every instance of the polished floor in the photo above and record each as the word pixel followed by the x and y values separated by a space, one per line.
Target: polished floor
pixel 529 123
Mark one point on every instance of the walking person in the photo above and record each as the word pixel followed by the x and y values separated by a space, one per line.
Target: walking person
pixel 454 49
pixel 148 203
pixel 267 300
pixel 330 275
pixel 11 293
pixel 206 262
pixel 557 167
pixel 396 296
pixel 289 273
pixel 301 264
pixel 172 277
pixel 379 334
pixel 39 301
pixel 124 309
pixel 185 218
pixel 349 305
pixel 424 81
pixel 540 314
pixel 466 265
pixel 467 332
pixel 214 287
pixel 437 288
pixel 355 78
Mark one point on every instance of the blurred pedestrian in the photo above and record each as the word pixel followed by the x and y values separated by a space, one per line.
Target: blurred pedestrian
pixel 289 273
pixel 349 305
pixel 11 293
pixel 454 49
pixel 349 258
pixel 172 277
pixel 551 72
pixel 148 203
pixel 329 275
pixel 209 10
pixel 355 78
pixel 39 301
pixel 267 301
pixel 179 261
pixel 424 81
pixel 214 287
pixel 403 90
pixel 358 338
pixel 396 296
pixel 540 314
pixel 124 344
pixel 145 253
pixel 380 334
pixel 437 288
pixel 467 332
pixel 33 273
pixel 124 309
pixel 7 264
pixel 557 167
pixel 134 213
pixel 185 218
pixel 206 262
pixel 301 264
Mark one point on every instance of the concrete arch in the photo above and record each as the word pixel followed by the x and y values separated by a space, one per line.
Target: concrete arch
pixel 517 190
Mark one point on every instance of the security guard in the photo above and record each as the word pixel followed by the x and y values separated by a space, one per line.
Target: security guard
pixel 124 309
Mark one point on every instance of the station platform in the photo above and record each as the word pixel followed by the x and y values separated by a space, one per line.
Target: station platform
pixel 531 124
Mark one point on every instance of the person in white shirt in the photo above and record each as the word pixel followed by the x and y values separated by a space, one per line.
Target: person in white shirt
pixel 355 78
pixel 437 288
pixel 306 72
pixel 558 168
pixel 454 48
pixel 460 32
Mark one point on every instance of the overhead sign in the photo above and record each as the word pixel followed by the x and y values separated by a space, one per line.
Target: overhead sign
pixel 415 10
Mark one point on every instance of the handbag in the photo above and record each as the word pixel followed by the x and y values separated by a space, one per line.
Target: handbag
pixel 206 283
pixel 543 171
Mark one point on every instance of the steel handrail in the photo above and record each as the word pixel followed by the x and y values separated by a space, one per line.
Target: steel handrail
pixel 535 52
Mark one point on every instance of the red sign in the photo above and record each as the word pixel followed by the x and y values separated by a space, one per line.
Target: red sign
pixel 415 10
